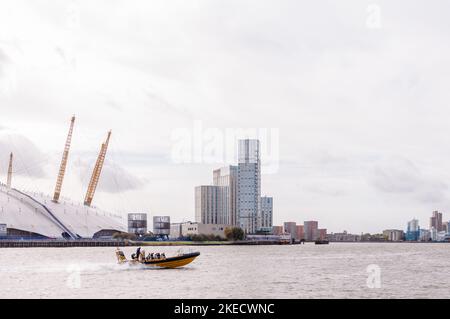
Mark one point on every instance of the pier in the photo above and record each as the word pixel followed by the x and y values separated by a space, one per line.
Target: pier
pixel 62 243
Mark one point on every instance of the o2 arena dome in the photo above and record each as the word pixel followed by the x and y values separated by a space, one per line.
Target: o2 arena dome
pixel 35 215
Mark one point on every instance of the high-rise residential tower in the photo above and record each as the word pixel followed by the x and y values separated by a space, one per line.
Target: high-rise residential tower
pixel 249 185
pixel 300 232
pixel 291 228
pixel 311 229
pixel 228 177
pixel 436 221
pixel 211 204
pixel 266 212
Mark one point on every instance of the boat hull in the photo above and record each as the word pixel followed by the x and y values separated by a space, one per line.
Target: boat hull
pixel 171 262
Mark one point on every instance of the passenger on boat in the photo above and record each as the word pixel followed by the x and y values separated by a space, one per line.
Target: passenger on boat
pixel 163 256
pixel 138 253
pixel 158 256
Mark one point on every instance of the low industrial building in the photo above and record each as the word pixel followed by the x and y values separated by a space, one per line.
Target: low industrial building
pixel 175 231
pixel 184 230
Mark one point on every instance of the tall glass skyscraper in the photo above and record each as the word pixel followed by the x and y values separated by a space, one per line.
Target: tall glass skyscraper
pixel 413 230
pixel 235 196
pixel 249 185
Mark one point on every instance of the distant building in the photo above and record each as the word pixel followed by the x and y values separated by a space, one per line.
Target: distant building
pixel 436 221
pixel 175 231
pixel 412 230
pixel 161 226
pixel 433 234
pixel 445 227
pixel 249 185
pixel 300 232
pixel 441 236
pixel 311 229
pixel 228 177
pixel 322 234
pixel 372 237
pixel 235 196
pixel 393 234
pixel 137 223
pixel 291 228
pixel 211 204
pixel 282 238
pixel 266 212
pixel 343 237
pixel 264 231
pixel 190 229
pixel 424 235
pixel 277 230
pixel 3 230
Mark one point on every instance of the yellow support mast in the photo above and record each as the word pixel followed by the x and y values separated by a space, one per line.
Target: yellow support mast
pixel 96 173
pixel 10 166
pixel 62 168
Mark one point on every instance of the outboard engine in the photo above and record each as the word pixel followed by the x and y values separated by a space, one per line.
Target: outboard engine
pixel 120 256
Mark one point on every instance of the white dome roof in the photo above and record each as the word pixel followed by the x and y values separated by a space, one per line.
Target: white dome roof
pixel 37 213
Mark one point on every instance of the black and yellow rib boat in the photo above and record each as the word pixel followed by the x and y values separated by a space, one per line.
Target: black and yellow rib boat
pixel 158 261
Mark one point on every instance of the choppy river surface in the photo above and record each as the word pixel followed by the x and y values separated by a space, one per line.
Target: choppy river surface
pixel 303 271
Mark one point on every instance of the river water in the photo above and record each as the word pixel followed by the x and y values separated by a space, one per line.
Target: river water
pixel 353 270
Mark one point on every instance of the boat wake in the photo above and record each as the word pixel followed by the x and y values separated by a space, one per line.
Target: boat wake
pixel 82 267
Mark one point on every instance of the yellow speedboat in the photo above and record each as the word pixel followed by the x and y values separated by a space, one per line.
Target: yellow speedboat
pixel 157 260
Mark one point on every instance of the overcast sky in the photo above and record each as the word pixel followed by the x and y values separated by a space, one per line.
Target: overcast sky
pixel 354 93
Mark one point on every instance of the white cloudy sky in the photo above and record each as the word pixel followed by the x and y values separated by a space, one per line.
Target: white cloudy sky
pixel 360 101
